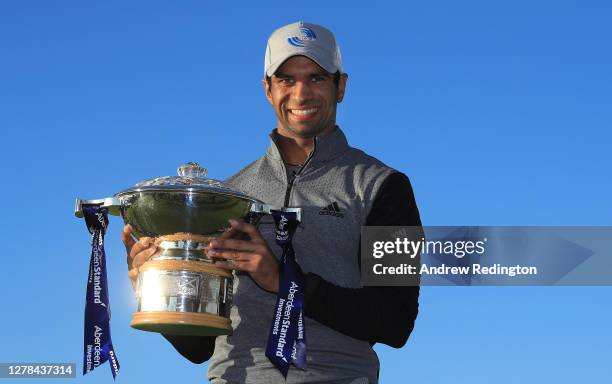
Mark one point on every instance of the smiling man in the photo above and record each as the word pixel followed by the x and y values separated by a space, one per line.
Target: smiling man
pixel 310 165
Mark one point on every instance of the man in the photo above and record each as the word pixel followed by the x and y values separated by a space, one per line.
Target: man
pixel 308 165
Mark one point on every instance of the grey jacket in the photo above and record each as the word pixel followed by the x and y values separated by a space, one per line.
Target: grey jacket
pixel 325 244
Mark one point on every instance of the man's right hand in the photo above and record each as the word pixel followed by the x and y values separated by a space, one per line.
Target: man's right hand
pixel 138 252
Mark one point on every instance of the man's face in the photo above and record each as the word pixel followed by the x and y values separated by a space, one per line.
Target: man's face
pixel 304 98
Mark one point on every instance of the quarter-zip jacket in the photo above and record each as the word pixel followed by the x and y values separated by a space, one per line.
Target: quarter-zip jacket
pixel 325 244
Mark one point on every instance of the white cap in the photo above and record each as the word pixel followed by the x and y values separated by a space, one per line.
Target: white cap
pixel 302 39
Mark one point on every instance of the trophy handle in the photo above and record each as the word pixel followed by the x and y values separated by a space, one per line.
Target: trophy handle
pixel 258 210
pixel 112 203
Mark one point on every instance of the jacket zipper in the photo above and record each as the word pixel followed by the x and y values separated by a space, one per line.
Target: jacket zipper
pixel 294 175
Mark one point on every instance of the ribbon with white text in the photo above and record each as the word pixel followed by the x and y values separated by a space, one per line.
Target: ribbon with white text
pixel 287 338
pixel 98 346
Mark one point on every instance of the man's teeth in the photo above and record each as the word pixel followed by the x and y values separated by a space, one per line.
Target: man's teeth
pixel 302 112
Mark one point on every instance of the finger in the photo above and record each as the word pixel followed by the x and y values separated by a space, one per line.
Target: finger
pixel 228 234
pixel 249 229
pixel 133 274
pixel 234 244
pixel 143 256
pixel 233 265
pixel 126 237
pixel 230 255
pixel 142 244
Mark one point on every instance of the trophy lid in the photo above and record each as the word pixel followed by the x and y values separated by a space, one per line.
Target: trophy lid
pixel 191 177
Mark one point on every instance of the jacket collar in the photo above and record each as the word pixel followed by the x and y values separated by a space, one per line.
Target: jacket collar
pixel 327 147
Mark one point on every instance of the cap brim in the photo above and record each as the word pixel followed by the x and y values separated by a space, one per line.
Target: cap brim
pixel 325 64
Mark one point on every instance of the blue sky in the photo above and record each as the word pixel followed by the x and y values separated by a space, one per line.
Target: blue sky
pixel 500 113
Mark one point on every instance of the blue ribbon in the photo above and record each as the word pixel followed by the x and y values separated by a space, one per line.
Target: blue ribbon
pixel 98 346
pixel 287 338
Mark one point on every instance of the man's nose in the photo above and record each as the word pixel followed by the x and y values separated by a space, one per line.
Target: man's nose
pixel 301 92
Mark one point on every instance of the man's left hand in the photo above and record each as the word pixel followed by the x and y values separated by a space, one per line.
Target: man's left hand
pixel 252 256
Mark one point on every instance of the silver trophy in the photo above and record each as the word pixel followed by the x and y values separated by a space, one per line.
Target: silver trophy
pixel 179 290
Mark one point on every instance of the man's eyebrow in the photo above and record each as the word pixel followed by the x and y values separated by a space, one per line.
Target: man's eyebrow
pixel 317 73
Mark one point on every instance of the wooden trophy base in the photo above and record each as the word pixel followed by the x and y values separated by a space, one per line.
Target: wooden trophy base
pixel 182 323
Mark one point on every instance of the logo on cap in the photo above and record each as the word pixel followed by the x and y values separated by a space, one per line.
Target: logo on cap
pixel 307 34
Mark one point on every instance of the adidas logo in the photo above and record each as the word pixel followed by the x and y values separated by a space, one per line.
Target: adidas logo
pixel 332 210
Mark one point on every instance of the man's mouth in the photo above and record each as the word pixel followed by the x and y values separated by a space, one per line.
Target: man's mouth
pixel 304 112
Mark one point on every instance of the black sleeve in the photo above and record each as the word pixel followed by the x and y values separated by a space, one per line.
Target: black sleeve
pixel 374 314
pixel 196 349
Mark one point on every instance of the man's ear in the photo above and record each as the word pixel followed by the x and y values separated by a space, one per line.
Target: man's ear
pixel 341 87
pixel 267 90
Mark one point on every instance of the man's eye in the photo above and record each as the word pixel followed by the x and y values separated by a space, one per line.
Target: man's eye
pixel 285 80
pixel 317 79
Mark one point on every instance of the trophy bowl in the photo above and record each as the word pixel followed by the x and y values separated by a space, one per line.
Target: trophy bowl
pixel 179 290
